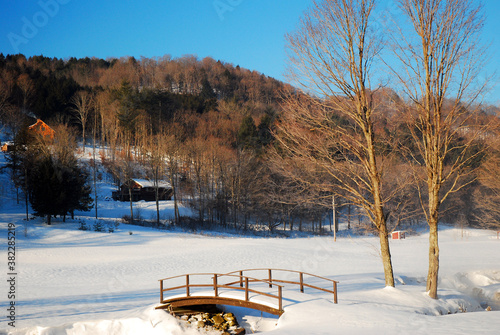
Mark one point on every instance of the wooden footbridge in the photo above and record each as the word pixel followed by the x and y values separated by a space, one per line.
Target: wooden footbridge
pixel 262 291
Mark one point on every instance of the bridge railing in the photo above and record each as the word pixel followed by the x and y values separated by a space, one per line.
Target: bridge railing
pixel 301 282
pixel 218 282
pixel 239 281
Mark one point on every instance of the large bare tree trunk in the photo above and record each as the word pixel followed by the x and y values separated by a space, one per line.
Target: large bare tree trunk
pixel 331 55
pixel 432 221
pixel 432 275
pixel 440 58
pixel 386 255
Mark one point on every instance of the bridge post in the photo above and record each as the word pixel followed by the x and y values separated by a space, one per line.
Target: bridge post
pixel 215 285
pixel 241 278
pixel 270 278
pixel 302 282
pixel 161 290
pixel 280 295
pixel 335 292
pixel 246 288
pixel 187 285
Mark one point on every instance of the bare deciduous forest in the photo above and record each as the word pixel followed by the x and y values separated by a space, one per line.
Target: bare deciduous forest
pixel 210 128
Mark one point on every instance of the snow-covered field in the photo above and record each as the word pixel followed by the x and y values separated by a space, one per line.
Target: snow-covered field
pixel 83 282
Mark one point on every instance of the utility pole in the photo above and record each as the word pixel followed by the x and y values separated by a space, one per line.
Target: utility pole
pixel 334 218
pixel 94 157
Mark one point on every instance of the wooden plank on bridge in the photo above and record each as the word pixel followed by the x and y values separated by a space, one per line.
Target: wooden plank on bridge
pixel 190 310
pixel 192 302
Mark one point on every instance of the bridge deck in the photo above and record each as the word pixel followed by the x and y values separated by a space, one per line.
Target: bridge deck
pixel 175 303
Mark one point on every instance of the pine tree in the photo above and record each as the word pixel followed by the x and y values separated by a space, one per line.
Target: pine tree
pixel 47 195
pixel 127 111
pixel 77 189
pixel 248 134
pixel 264 130
pixel 58 187
pixel 20 161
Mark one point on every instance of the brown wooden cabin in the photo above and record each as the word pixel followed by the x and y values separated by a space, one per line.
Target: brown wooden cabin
pixel 41 128
pixel 143 189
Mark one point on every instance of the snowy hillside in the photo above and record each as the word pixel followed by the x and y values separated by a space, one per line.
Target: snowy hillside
pixel 84 282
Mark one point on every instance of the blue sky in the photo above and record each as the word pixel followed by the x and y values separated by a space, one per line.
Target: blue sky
pixel 249 33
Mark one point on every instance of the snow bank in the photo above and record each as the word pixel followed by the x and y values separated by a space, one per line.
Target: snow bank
pixel 149 322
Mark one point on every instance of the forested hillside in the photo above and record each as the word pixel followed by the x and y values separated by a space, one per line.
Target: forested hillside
pixel 44 86
pixel 209 128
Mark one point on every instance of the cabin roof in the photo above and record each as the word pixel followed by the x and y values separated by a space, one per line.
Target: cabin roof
pixel 39 122
pixel 149 183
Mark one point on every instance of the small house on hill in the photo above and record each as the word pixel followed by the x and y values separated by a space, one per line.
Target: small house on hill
pixel 8 147
pixel 143 189
pixel 42 129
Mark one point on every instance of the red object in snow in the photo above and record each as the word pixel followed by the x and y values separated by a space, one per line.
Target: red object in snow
pixel 398 235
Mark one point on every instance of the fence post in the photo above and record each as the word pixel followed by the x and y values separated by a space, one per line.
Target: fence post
pixel 215 285
pixel 270 278
pixel 241 278
pixel 335 292
pixel 302 282
pixel 246 288
pixel 187 285
pixel 161 290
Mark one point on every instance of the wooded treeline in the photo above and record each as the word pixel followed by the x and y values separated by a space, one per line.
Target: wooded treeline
pixel 45 85
pixel 209 128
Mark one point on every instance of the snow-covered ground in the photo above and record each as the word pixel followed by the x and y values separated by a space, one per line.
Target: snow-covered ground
pixel 83 282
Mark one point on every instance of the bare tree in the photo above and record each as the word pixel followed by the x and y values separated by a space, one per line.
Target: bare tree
pixel 155 161
pixel 199 174
pixel 331 55
pixel 27 89
pixel 127 115
pixel 109 127
pixel 97 105
pixel 172 155
pixel 439 53
pixel 487 195
pixel 82 105
pixel 6 86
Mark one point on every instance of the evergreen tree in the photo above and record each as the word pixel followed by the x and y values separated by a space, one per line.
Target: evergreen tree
pixel 207 96
pixel 207 92
pixel 58 188
pixel 127 111
pixel 77 189
pixel 20 160
pixel 264 130
pixel 248 134
pixel 47 195
pixel 14 158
